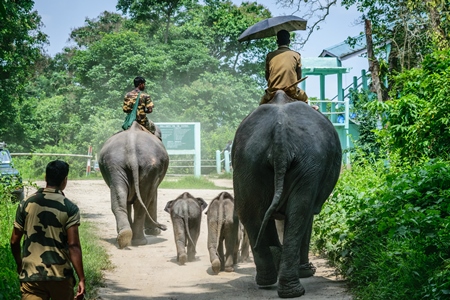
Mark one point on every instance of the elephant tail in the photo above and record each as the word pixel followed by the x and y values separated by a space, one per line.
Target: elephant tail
pixel 186 228
pixel 280 166
pixel 138 195
pixel 219 219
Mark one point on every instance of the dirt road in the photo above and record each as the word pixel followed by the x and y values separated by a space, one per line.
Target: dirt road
pixel 151 271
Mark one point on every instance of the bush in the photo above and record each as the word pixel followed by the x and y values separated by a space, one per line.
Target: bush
pixel 388 232
pixel 9 281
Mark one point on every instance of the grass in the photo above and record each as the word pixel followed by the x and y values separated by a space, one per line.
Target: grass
pixel 189 182
pixel 95 258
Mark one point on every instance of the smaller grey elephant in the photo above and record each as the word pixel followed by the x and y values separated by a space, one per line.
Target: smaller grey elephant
pixel 186 215
pixel 244 245
pixel 223 227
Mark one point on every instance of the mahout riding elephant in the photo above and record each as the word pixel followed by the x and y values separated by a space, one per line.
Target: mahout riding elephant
pixel 133 163
pixel 223 228
pixel 286 161
pixel 186 215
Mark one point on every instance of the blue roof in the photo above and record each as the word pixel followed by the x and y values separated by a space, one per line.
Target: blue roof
pixel 322 66
pixel 344 50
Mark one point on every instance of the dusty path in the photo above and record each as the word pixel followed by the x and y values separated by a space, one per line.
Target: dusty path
pixel 151 271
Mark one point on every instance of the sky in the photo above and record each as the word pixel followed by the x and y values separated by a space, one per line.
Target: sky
pixel 61 16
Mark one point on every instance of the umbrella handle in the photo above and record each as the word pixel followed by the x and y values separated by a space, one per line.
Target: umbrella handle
pixel 295 83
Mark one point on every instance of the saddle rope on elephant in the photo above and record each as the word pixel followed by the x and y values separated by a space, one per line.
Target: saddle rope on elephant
pixel 280 165
pixel 138 195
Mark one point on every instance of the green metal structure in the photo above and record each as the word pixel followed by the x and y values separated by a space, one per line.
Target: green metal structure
pixel 338 108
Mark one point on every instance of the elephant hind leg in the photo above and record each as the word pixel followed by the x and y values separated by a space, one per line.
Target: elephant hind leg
pixel 263 256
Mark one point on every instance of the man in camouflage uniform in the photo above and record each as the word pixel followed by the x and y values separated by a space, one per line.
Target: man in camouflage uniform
pixel 49 222
pixel 145 105
pixel 283 68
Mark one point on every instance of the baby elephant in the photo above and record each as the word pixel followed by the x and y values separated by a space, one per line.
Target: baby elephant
pixel 223 226
pixel 186 215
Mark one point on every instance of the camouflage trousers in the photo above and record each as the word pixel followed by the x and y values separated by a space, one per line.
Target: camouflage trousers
pixel 294 92
pixel 149 125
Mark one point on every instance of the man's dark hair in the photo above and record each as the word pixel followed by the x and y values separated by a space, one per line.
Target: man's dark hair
pixel 138 80
pixel 55 172
pixel 283 37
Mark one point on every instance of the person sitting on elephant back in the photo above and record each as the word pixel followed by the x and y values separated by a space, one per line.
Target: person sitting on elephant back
pixel 283 69
pixel 145 105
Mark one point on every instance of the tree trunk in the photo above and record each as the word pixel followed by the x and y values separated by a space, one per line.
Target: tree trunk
pixel 374 66
pixel 435 17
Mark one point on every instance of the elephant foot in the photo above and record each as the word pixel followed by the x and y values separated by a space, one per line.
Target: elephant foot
pixel 191 257
pixel 124 238
pixel 139 242
pixel 182 258
pixel 306 270
pixel 229 269
pixel 290 290
pixel 215 265
pixel 152 231
pixel 266 278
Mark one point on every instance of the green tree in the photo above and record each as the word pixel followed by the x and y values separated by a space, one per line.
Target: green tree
pixel 96 28
pixel 21 43
pixel 159 13
pixel 417 123
pixel 218 24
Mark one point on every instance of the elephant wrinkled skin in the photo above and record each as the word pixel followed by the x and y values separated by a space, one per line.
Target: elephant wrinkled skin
pixel 286 161
pixel 186 215
pixel 133 163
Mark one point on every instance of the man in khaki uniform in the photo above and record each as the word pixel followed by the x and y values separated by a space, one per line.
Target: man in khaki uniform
pixel 283 68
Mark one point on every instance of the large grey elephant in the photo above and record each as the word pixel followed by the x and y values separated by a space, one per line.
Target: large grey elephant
pixel 223 228
pixel 133 163
pixel 286 161
pixel 186 215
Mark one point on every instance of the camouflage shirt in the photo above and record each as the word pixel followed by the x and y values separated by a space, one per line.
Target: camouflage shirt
pixel 145 102
pixel 44 219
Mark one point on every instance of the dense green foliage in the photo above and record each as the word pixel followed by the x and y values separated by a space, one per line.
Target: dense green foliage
pixel 418 122
pixel 20 50
pixel 386 225
pixel 390 231
pixel 9 283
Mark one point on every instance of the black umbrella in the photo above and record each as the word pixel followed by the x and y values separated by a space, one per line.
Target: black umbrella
pixel 270 27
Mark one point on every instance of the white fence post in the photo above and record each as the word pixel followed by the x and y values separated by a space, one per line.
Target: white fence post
pixel 227 161
pixel 218 162
pixel 88 164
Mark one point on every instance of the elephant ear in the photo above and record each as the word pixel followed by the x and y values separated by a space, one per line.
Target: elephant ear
pixel 202 203
pixel 169 206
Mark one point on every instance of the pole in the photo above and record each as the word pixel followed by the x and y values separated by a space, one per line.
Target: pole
pixel 88 164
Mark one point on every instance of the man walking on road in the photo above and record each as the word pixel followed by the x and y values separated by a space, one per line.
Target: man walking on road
pixel 49 222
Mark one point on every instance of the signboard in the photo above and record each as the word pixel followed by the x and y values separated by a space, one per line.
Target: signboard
pixel 182 138
pixel 178 136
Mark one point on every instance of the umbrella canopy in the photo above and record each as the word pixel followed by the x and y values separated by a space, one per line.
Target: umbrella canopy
pixel 270 27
